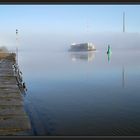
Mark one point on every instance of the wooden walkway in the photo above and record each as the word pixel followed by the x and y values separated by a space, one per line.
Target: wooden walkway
pixel 13 118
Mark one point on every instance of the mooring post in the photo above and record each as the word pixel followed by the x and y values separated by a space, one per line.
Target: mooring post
pixel 17 41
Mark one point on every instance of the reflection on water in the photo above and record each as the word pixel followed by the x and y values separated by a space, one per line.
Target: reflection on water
pixel 123 77
pixel 86 56
pixel 67 98
pixel 109 56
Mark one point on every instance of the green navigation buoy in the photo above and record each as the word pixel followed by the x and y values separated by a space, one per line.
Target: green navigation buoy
pixel 109 52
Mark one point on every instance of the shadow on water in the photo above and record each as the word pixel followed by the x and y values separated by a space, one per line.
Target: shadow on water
pixel 109 56
pixel 42 123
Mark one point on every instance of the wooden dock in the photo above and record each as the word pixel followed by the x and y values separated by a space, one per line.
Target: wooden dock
pixel 13 118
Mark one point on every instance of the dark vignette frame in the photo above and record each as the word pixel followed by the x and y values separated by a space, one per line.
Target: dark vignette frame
pixel 70 2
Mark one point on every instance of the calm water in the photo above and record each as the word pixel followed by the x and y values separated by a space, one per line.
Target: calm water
pixel 83 93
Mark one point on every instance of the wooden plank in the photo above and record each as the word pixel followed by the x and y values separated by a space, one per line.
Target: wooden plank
pixel 14 123
pixel 9 94
pixel 12 110
pixel 11 101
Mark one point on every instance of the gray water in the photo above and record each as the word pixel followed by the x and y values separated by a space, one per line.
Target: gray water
pixel 83 93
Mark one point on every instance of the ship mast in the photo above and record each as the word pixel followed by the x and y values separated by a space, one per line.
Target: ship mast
pixel 124 22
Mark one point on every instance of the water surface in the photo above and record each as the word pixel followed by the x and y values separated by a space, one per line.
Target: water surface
pixel 83 93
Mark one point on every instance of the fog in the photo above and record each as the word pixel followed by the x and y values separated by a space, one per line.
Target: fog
pixel 62 42
pixel 38 41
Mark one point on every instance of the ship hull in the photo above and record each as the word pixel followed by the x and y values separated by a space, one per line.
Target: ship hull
pixel 82 47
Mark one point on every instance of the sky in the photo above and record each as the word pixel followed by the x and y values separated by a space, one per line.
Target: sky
pixel 52 21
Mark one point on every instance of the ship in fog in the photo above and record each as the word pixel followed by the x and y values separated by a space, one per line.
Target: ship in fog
pixel 82 47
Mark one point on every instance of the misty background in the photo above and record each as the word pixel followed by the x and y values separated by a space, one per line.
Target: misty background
pixel 56 27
